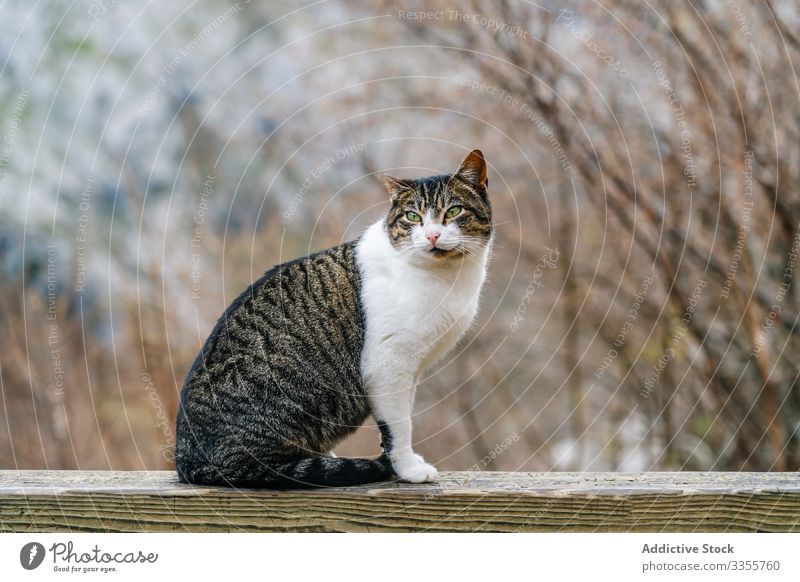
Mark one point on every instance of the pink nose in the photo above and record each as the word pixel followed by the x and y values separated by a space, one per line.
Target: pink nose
pixel 433 237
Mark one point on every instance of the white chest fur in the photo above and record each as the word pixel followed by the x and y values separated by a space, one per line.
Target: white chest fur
pixel 415 313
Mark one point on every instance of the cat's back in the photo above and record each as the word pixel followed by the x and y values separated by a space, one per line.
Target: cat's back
pixel 279 375
pixel 302 320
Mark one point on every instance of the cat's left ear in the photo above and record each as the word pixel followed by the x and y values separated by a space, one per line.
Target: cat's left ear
pixel 396 186
pixel 473 170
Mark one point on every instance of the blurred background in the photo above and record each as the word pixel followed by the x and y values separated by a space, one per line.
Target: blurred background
pixel 641 311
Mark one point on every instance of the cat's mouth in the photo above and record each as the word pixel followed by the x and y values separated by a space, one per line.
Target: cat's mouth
pixel 442 253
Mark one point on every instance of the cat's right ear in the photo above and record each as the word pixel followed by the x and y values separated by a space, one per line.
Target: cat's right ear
pixel 473 170
pixel 396 186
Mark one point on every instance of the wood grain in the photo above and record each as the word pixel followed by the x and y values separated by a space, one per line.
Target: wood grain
pixel 483 501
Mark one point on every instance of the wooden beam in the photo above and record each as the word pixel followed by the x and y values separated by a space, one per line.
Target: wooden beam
pixel 482 501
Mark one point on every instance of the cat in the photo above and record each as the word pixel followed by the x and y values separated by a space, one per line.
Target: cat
pixel 303 356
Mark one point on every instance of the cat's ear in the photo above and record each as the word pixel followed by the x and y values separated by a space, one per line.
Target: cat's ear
pixel 396 186
pixel 473 170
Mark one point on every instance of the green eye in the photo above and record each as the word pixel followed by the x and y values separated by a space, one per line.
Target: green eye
pixel 453 212
pixel 413 216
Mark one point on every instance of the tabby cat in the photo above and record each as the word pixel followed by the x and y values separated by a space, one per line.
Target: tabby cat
pixel 302 357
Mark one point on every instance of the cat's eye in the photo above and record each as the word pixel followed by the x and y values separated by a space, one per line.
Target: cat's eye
pixel 453 212
pixel 413 216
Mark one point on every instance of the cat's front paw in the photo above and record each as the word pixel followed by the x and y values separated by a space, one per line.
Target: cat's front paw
pixel 415 470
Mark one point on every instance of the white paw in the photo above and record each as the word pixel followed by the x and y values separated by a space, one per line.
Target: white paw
pixel 415 470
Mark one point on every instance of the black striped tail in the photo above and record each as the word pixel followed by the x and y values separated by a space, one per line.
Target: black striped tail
pixel 303 473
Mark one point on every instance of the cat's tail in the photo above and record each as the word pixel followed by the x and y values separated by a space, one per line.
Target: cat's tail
pixel 302 473
pixel 335 472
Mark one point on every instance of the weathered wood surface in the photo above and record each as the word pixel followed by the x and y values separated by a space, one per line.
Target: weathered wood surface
pixel 483 501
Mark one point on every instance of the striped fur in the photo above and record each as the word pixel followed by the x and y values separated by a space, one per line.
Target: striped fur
pixel 277 384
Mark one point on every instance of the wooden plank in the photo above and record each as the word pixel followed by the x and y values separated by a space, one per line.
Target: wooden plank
pixel 482 501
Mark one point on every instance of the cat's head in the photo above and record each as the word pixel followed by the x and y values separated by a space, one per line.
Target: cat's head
pixel 441 217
